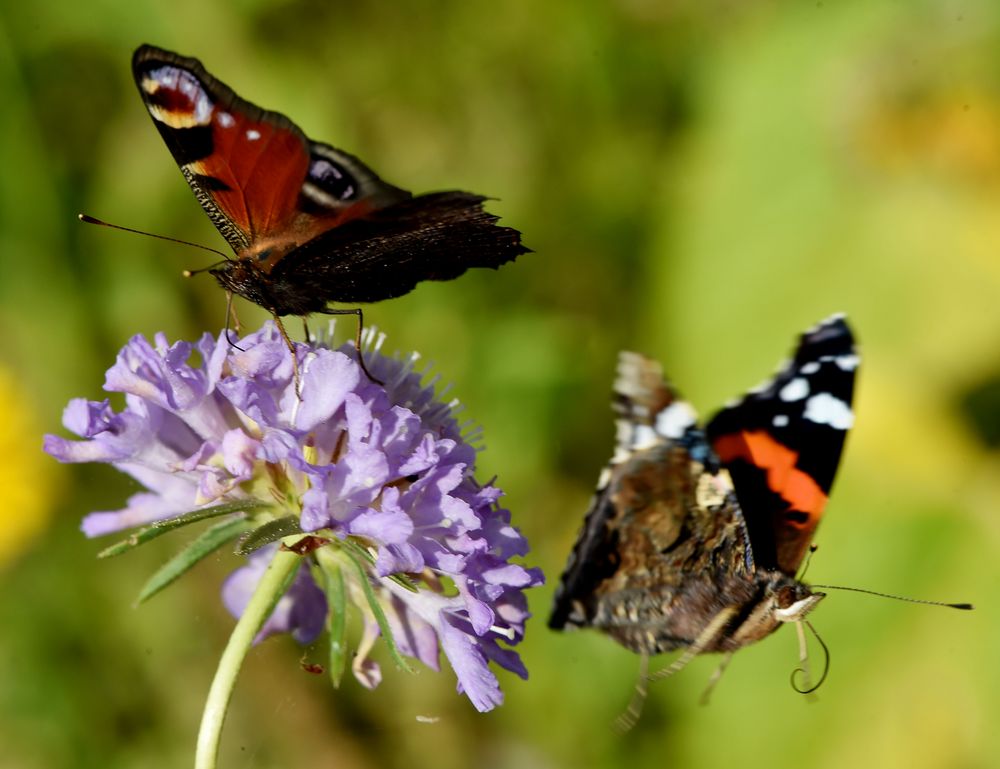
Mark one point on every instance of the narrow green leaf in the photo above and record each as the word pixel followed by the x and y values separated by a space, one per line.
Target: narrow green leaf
pixel 403 581
pixel 154 530
pixel 380 618
pixel 207 543
pixel 336 597
pixel 267 533
pixel 359 552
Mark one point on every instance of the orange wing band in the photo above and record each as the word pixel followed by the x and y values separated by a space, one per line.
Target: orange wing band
pixel 796 487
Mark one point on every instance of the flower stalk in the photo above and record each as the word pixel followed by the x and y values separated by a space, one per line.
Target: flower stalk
pixel 269 590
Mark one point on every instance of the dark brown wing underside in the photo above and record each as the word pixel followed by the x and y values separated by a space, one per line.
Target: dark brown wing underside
pixel 657 538
pixel 385 254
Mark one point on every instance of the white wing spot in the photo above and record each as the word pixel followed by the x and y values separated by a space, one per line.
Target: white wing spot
pixel 226 120
pixel 252 134
pixel 824 409
pixel 621 455
pixel 795 390
pixel 199 108
pixel 810 368
pixel 848 362
pixel 644 437
pixel 780 420
pixel 675 419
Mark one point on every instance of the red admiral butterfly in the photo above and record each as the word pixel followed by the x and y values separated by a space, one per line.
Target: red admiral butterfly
pixel 694 537
pixel 310 223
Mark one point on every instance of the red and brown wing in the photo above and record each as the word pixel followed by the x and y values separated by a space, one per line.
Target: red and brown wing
pixel 782 444
pixel 255 173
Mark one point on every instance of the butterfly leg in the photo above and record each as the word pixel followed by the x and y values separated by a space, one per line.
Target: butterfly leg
pixel 231 317
pixel 630 716
pixel 357 339
pixel 628 719
pixel 305 330
pixel 291 349
pixel 712 629
pixel 706 695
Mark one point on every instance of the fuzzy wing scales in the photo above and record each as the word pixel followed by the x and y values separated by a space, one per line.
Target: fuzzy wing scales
pixel 387 252
pixel 663 519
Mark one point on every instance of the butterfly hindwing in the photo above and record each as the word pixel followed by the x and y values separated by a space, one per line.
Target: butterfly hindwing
pixel 385 254
pixel 664 509
pixel 782 443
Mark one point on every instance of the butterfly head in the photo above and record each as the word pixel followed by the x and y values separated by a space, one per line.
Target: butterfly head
pixel 250 276
pixel 243 277
pixel 779 599
pixel 794 601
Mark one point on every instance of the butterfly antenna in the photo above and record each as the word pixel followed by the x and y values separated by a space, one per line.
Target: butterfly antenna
pixel 87 219
pixel 803 669
pixel 808 560
pixel 212 266
pixel 962 606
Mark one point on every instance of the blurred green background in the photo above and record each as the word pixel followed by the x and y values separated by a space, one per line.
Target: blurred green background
pixel 700 181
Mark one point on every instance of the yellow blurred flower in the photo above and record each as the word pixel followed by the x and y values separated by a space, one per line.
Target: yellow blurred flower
pixel 28 478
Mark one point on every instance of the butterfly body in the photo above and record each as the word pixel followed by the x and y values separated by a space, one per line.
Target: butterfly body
pixel 674 552
pixel 694 535
pixel 309 223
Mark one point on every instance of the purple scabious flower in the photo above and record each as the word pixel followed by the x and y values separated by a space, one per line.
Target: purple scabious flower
pixel 380 476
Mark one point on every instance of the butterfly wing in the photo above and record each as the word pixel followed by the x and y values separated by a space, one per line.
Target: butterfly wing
pixel 782 443
pixel 253 170
pixel 385 253
pixel 663 522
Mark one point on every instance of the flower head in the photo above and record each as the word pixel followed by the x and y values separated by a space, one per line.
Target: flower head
pixel 379 476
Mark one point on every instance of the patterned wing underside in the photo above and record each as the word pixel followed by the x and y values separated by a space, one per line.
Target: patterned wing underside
pixel 385 254
pixel 663 510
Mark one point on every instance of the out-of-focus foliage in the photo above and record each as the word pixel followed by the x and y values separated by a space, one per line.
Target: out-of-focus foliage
pixel 700 182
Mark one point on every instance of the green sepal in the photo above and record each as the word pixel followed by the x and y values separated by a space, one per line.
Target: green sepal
pixel 154 530
pixel 272 531
pixel 376 609
pixel 336 598
pixel 207 543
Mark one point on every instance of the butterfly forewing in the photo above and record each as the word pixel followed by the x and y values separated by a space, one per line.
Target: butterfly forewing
pixel 783 440
pixel 253 170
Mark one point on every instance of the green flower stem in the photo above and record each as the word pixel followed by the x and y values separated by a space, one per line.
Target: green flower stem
pixel 271 587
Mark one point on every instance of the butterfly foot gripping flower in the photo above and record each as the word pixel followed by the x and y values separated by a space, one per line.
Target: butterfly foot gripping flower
pixel 349 492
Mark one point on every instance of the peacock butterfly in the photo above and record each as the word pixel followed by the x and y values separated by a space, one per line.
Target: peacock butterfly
pixel 309 223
